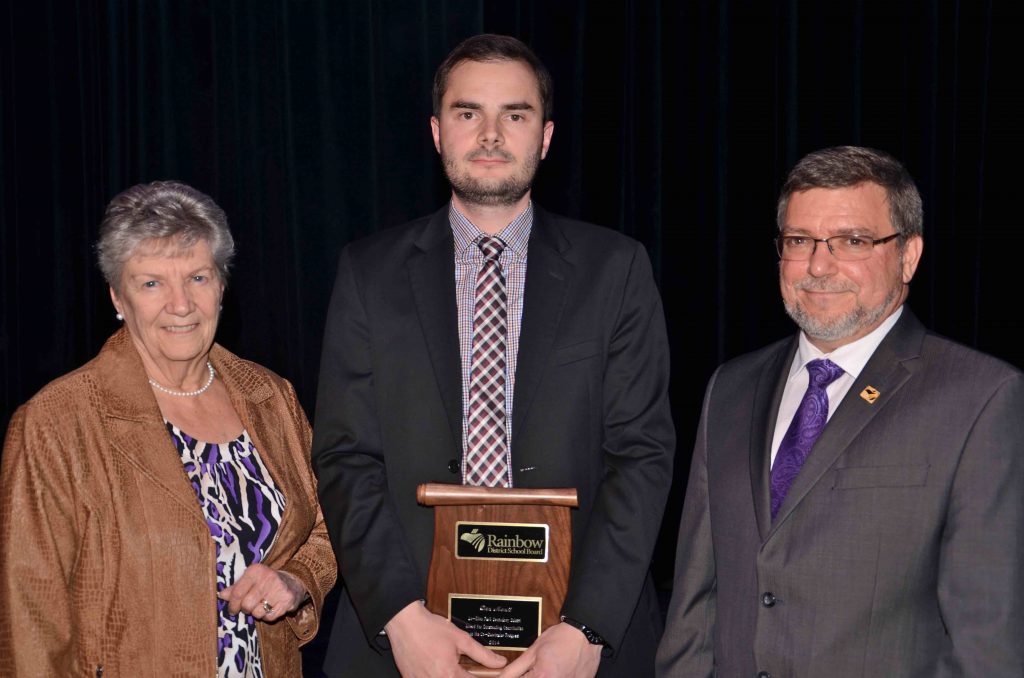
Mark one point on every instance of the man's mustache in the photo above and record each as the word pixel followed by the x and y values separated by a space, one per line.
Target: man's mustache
pixel 492 154
pixel 822 285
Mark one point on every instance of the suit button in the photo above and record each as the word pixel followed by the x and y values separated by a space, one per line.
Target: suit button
pixel 768 599
pixel 453 466
pixel 763 674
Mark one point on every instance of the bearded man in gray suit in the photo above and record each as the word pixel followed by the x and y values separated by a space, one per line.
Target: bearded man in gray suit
pixel 855 505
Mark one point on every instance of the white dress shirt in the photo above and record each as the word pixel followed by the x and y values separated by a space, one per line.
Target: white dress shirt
pixel 851 357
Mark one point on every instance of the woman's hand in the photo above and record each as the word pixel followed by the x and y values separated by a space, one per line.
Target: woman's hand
pixel 264 592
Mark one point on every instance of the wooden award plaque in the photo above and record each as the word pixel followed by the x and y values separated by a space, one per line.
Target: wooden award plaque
pixel 500 565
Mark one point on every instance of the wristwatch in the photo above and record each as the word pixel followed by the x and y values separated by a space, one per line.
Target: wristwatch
pixel 592 636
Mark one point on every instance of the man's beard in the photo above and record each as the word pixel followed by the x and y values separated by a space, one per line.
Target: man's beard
pixel 491 192
pixel 843 326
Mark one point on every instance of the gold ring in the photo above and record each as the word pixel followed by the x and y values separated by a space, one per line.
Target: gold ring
pixel 267 607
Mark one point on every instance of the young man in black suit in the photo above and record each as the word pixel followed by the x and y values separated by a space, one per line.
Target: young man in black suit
pixel 493 343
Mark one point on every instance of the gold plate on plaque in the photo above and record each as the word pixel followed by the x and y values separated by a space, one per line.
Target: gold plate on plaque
pixel 523 542
pixel 497 622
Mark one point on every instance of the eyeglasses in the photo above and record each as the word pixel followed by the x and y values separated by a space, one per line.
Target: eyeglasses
pixel 842 247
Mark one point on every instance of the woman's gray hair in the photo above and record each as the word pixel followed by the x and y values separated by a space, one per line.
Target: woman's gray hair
pixel 167 213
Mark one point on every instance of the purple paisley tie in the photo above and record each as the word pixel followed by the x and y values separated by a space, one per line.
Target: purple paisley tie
pixel 803 432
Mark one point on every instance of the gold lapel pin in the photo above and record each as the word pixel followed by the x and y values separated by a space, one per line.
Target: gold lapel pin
pixel 870 394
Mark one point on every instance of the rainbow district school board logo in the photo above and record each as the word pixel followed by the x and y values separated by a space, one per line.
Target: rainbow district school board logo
pixel 476 539
pixel 502 541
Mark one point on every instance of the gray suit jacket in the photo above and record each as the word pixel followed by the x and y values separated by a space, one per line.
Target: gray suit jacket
pixel 899 550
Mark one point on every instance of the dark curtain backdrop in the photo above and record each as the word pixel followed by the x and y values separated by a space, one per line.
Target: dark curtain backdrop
pixel 675 123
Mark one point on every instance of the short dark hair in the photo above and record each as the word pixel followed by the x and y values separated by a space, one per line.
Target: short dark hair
pixel 845 166
pixel 491 47
pixel 161 213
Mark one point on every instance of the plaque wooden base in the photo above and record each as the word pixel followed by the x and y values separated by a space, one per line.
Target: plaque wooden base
pixel 500 565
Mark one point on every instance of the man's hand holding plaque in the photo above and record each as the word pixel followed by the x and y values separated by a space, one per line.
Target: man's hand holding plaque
pixel 426 645
pixel 560 651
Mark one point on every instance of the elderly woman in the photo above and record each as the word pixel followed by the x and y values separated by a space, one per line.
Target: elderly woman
pixel 158 514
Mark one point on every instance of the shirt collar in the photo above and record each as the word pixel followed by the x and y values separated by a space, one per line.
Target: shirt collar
pixel 851 357
pixel 515 235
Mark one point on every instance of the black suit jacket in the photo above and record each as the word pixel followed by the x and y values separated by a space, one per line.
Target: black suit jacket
pixel 898 550
pixel 590 411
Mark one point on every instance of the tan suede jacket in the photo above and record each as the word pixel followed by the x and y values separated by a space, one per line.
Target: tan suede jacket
pixel 107 567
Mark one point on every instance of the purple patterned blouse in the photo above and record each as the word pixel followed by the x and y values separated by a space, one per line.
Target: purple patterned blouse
pixel 243 510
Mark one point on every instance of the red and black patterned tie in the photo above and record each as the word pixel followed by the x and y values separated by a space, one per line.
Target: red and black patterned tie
pixel 486 442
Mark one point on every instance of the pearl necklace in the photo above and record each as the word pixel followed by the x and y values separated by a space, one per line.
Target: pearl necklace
pixel 187 394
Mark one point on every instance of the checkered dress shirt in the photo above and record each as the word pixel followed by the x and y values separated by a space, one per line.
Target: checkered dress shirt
pixel 468 261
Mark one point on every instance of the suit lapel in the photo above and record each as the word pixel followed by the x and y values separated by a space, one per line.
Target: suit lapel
pixel 548 278
pixel 432 275
pixel 885 371
pixel 771 383
pixel 135 425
